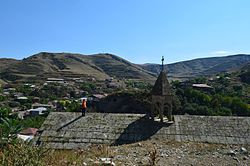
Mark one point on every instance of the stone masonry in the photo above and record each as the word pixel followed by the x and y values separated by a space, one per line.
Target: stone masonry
pixel 71 131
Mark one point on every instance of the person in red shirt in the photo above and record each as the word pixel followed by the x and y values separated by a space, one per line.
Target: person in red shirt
pixel 84 107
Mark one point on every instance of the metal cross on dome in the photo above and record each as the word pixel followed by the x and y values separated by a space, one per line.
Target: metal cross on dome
pixel 162 65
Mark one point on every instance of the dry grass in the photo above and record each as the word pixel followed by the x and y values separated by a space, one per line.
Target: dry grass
pixel 143 153
pixel 79 157
pixel 153 156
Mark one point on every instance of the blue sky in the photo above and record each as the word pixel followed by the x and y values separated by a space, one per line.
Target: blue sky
pixel 140 31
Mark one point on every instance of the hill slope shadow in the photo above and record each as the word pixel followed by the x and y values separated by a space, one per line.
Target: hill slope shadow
pixel 140 130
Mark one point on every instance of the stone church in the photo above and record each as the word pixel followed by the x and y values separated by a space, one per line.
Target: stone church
pixel 162 97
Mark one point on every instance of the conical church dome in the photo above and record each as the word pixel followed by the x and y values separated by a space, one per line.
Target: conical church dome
pixel 162 86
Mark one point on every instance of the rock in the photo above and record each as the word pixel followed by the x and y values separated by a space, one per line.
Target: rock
pixel 107 162
pixel 243 150
pixel 231 152
pixel 144 160
pixel 89 160
pixel 215 153
pixel 119 157
pixel 84 164
pixel 235 158
pixel 245 158
pixel 105 159
pixel 163 155
pixel 96 163
pixel 139 144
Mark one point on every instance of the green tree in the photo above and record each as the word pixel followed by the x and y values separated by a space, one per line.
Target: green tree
pixel 74 106
pixel 89 87
pixel 190 109
pixel 200 80
pixel 239 107
pixel 4 112
pixel 2 98
pixel 224 112
pixel 8 131
pixel 204 110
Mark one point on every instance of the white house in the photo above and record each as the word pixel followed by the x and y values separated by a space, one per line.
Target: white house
pixel 37 111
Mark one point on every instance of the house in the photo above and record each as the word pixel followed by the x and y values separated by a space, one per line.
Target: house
pixel 113 85
pixel 37 105
pixel 55 80
pixel 9 89
pixel 109 79
pixel 202 86
pixel 35 99
pixel 27 134
pixel 18 94
pixel 37 111
pixel 30 85
pixel 94 99
pixel 22 99
pixel 92 79
pixel 22 114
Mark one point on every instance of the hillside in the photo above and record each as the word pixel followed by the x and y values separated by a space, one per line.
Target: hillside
pixel 244 73
pixel 202 66
pixel 6 62
pixel 100 66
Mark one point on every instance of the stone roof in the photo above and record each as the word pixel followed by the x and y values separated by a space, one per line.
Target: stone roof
pixel 161 86
pixel 66 130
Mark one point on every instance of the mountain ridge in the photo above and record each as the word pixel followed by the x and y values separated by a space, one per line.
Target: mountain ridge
pixel 202 66
pixel 105 65
pixel 100 66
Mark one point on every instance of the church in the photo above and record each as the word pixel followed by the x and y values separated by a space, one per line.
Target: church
pixel 162 99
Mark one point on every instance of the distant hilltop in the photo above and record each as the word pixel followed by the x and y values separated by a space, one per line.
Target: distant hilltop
pixel 102 66
pixel 202 66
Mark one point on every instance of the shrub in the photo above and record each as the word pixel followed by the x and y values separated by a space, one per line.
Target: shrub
pixel 23 153
pixel 224 112
pixel 2 98
pixel 153 156
pixel 8 132
pixel 4 112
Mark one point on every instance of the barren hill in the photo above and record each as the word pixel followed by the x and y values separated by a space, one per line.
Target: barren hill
pixel 202 66
pixel 100 66
pixel 6 62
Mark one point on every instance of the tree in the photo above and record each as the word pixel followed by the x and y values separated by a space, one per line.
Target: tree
pixel 8 131
pixel 89 87
pixel 239 107
pixel 190 109
pixel 245 77
pixel 73 107
pixel 200 80
pixel 224 112
pixel 2 98
pixel 4 112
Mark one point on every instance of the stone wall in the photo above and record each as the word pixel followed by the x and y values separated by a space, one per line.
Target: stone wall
pixel 71 130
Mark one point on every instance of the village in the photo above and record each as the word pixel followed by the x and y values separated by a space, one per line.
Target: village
pixel 26 100
pixel 58 124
